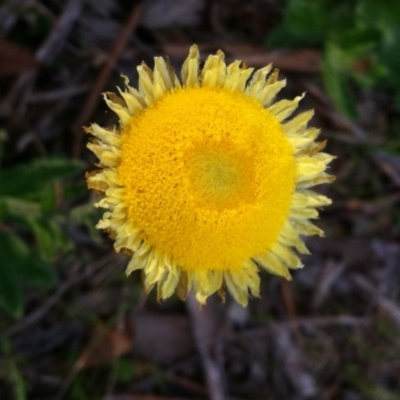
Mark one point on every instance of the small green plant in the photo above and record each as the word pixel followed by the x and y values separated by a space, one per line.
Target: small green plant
pixel 359 41
pixel 31 226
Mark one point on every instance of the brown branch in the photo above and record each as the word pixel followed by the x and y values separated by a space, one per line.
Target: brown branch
pixel 295 364
pixel 56 40
pixel 204 323
pixel 94 95
pixel 389 307
pixel 46 54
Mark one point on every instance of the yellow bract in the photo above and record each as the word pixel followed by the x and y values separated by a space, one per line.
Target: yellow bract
pixel 205 182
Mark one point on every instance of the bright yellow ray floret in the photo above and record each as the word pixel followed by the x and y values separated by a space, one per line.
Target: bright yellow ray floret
pixel 206 180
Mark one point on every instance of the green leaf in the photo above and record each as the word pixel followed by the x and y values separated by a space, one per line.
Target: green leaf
pixel 396 100
pixel 48 201
pixel 384 17
pixel 355 42
pixel 308 18
pixel 337 87
pixel 3 210
pixel 49 236
pixel 360 40
pixel 44 237
pixel 306 23
pixel 125 371
pixel 38 272
pixel 20 266
pixel 15 207
pixel 14 253
pixel 26 179
pixel 283 36
pixel 3 135
pixel 335 76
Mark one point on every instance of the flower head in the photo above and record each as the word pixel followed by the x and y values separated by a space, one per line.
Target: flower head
pixel 206 180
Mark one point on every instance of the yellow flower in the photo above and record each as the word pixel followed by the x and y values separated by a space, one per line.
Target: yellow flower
pixel 206 180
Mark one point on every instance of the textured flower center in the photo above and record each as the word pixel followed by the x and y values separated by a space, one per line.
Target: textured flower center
pixel 221 178
pixel 208 176
pixel 216 175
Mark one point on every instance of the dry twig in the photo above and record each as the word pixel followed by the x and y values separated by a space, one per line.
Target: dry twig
pixel 205 324
pixel 45 55
pixel 94 95
pixel 295 364
pixel 386 305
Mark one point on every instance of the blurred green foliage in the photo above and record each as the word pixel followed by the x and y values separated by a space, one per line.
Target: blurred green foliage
pixel 31 226
pixel 360 42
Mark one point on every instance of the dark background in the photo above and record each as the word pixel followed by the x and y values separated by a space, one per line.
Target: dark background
pixel 72 326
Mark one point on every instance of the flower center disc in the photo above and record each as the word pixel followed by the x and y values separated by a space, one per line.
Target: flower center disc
pixel 208 175
pixel 222 180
